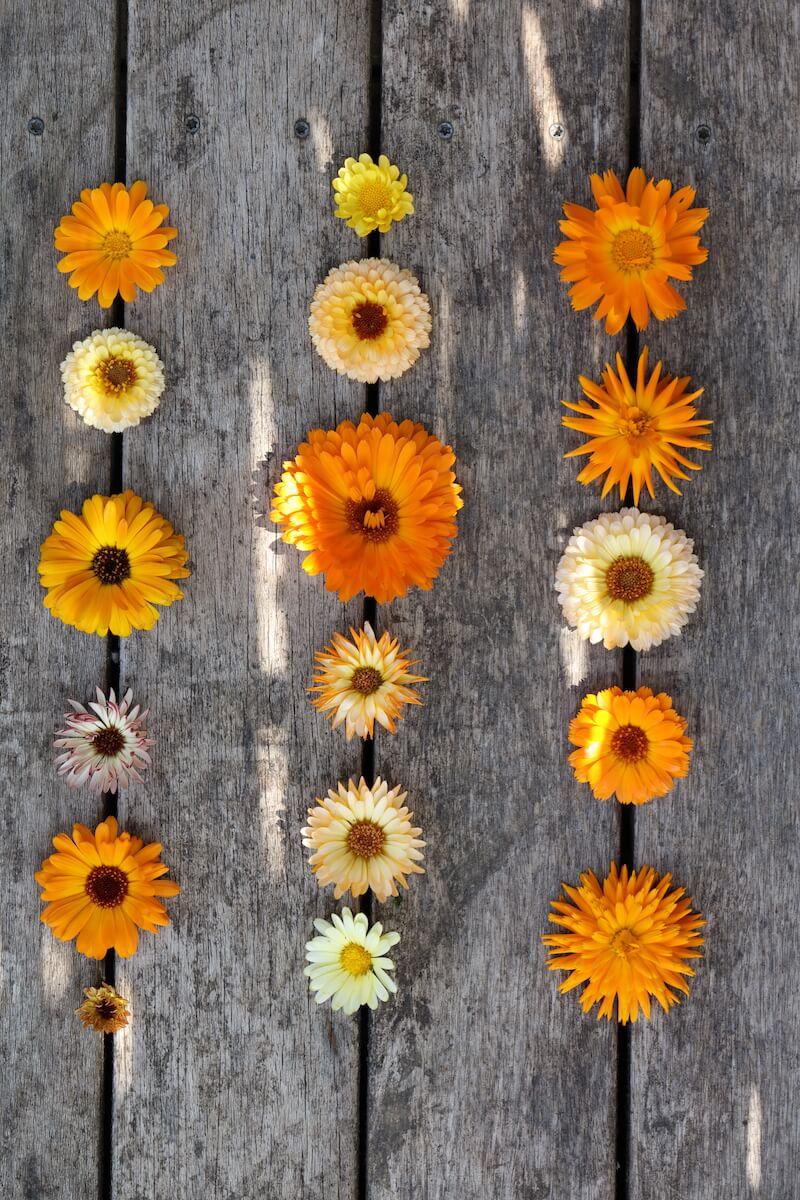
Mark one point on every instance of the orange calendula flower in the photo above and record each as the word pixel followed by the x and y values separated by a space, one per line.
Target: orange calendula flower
pixel 630 744
pixel 107 569
pixel 104 1009
pixel 624 253
pixel 102 888
pixel 115 242
pixel 633 431
pixel 628 941
pixel 374 504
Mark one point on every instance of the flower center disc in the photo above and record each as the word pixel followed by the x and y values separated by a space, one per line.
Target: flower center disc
pixel 376 519
pixel 630 742
pixel 366 680
pixel 629 579
pixel 111 564
pixel 624 943
pixel 355 959
pixel 108 741
pixel 369 320
pixel 636 423
pixel 107 887
pixel 117 374
pixel 365 839
pixel 373 196
pixel 106 1010
pixel 117 245
pixel 633 251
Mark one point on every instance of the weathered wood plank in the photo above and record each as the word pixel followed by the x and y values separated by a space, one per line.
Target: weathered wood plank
pixel 714 1085
pixel 483 1081
pixel 233 1082
pixel 56 66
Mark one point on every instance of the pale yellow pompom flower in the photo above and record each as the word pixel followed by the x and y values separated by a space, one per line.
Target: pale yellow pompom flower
pixel 371 195
pixel 112 379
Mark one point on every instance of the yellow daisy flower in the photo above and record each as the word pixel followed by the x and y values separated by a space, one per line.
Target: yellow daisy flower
pixel 112 379
pixel 104 1009
pixel 635 430
pixel 371 195
pixel 362 680
pixel 628 940
pixel 107 569
pixel 362 837
pixel 369 320
pixel 347 962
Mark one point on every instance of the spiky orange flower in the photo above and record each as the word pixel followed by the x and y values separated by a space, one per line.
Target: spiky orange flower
pixel 631 744
pixel 116 242
pixel 625 252
pixel 634 430
pixel 374 504
pixel 627 940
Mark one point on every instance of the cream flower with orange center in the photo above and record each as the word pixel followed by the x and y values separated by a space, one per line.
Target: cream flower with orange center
pixel 112 379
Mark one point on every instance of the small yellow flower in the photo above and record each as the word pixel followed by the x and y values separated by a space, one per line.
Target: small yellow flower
pixel 104 1009
pixel 371 195
pixel 112 379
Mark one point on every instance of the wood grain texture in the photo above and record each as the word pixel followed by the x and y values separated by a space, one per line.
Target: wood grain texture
pixel 483 1081
pixel 49 1110
pixel 715 1084
pixel 232 1082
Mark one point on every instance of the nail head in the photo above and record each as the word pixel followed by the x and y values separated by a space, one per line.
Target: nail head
pixel 703 134
pixel 302 128
pixel 36 126
pixel 557 130
pixel 192 123
pixel 445 130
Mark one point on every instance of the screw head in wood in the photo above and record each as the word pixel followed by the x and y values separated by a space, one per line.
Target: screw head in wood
pixel 192 123
pixel 36 126
pixel 557 130
pixel 445 130
pixel 703 134
pixel 302 128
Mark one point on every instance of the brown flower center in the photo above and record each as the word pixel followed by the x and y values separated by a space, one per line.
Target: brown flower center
pixel 376 519
pixel 117 374
pixel 366 680
pixel 355 959
pixel 117 245
pixel 633 251
pixel 106 1010
pixel 108 741
pixel 630 742
pixel 365 839
pixel 111 564
pixel 106 887
pixel 373 196
pixel 624 943
pixel 369 320
pixel 629 579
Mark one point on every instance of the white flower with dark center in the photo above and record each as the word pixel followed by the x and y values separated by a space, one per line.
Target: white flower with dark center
pixel 104 745
pixel 347 962
pixel 112 379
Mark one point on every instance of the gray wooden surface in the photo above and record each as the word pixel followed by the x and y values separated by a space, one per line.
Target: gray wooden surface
pixel 478 1080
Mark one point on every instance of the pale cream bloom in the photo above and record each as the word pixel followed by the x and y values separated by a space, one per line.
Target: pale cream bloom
pixel 347 963
pixel 112 379
pixel 106 747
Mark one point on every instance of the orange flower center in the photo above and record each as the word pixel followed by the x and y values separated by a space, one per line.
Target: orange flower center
pixel 106 887
pixel 633 251
pixel 630 743
pixel 108 742
pixel 355 959
pixel 635 424
pixel 629 579
pixel 624 943
pixel 116 374
pixel 117 245
pixel 376 519
pixel 366 680
pixel 373 196
pixel 111 564
pixel 369 320
pixel 365 839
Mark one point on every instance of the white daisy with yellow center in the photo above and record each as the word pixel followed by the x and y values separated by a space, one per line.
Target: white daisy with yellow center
pixel 347 963
pixel 362 837
pixel 112 379
pixel 628 577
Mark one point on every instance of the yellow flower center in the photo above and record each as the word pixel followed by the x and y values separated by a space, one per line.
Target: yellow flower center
pixel 106 887
pixel 108 742
pixel 624 943
pixel 629 579
pixel 117 245
pixel 633 251
pixel 116 375
pixel 369 320
pixel 366 680
pixel 377 519
pixel 635 424
pixel 630 742
pixel 355 959
pixel 111 564
pixel 365 839
pixel 373 196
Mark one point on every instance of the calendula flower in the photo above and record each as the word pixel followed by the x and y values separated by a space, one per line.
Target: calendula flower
pixel 630 744
pixel 105 747
pixel 371 195
pixel 635 430
pixel 363 679
pixel 369 320
pixel 362 837
pixel 115 242
pixel 107 569
pixel 628 941
pixel 373 503
pixel 347 963
pixel 102 888
pixel 628 577
pixel 112 379
pixel 104 1009
pixel 625 252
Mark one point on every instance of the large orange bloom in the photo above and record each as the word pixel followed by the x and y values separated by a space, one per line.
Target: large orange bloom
pixel 115 242
pixel 102 888
pixel 624 253
pixel 373 503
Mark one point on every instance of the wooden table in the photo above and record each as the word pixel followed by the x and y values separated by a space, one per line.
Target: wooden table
pixel 478 1080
